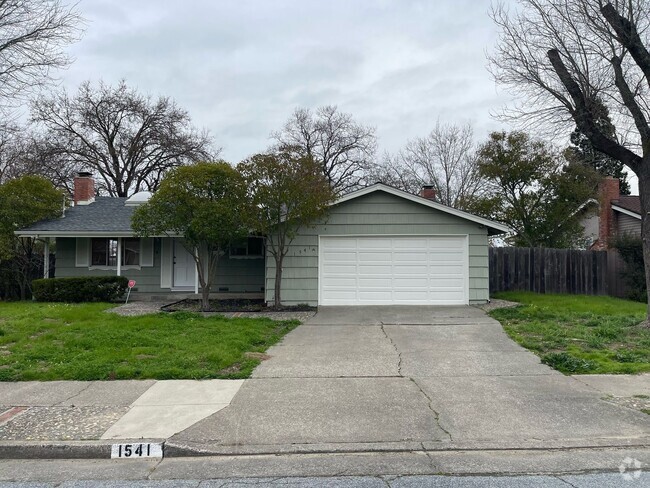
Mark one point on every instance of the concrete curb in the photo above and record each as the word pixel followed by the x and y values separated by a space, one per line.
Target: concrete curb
pixel 100 449
pixel 188 449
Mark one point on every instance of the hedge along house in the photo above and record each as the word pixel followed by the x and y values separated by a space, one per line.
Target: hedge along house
pixel 377 246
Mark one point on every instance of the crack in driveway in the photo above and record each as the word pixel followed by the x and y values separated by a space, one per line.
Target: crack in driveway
pixel 399 354
pixel 429 400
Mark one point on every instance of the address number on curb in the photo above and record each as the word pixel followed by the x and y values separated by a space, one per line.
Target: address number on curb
pixel 136 451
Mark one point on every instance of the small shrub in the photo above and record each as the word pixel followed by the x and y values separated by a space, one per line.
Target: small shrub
pixel 80 289
pixel 566 363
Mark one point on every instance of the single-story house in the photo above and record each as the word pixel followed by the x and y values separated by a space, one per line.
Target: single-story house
pixel 377 246
pixel 611 215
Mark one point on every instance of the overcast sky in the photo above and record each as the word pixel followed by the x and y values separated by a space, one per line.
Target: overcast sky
pixel 240 67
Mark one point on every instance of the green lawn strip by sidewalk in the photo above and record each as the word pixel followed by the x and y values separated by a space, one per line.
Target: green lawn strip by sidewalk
pixel 48 341
pixel 578 334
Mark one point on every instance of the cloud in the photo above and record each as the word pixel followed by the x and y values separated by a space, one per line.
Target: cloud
pixel 241 66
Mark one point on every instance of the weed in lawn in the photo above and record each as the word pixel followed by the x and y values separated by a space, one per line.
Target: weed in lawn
pixel 566 363
pixel 646 411
pixel 627 357
pixel 608 332
pixel 596 343
pixel 644 397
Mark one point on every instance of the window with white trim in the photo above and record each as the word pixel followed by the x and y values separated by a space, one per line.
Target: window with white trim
pixel 103 252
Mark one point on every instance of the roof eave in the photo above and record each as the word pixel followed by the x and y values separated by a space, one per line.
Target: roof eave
pixel 626 211
pixel 54 233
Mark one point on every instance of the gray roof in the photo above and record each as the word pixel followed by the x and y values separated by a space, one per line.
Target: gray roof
pixel 106 215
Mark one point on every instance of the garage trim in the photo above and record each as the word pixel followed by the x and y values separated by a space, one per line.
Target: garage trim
pixel 466 246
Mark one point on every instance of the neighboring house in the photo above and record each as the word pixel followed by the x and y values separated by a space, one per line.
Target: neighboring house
pixel 378 246
pixel 611 215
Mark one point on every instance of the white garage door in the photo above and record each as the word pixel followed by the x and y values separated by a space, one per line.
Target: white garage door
pixel 393 270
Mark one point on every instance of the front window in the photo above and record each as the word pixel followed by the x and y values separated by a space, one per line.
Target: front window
pixel 104 252
pixel 253 247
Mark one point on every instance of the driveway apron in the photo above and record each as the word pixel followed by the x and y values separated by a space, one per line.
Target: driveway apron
pixel 406 377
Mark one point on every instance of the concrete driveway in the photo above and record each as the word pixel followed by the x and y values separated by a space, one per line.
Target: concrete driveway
pixel 400 378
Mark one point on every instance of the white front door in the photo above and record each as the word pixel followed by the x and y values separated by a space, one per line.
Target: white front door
pixel 184 267
pixel 385 270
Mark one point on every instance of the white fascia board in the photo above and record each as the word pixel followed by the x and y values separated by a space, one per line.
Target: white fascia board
pixel 423 201
pixel 626 212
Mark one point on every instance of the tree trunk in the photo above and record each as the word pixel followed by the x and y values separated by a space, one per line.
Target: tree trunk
pixel 278 281
pixel 205 298
pixel 644 194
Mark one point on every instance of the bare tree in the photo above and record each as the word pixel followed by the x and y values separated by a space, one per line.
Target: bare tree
pixel 128 140
pixel 344 148
pixel 445 158
pixel 23 152
pixel 33 35
pixel 564 58
pixel 11 149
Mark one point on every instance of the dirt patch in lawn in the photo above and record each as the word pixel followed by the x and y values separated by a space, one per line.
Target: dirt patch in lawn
pixel 257 355
pixel 233 305
pixel 495 304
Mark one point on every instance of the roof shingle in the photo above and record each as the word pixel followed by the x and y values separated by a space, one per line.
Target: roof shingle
pixel 629 202
pixel 105 214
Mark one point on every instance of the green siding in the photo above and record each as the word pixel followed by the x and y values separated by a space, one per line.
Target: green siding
pixel 377 213
pixel 236 274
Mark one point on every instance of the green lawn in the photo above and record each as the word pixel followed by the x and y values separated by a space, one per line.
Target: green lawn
pixel 577 333
pixel 47 341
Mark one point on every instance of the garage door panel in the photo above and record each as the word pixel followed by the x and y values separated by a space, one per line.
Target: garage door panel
pixel 340 270
pixel 375 282
pixel 375 295
pixel 393 270
pixel 374 257
pixel 411 296
pixel 409 257
pixel 372 270
pixel 411 282
pixel 377 243
pixel 340 256
pixel 415 270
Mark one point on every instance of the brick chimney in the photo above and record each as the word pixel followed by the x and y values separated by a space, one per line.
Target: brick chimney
pixel 428 192
pixel 608 191
pixel 84 189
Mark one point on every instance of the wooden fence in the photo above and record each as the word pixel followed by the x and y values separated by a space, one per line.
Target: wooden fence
pixel 556 271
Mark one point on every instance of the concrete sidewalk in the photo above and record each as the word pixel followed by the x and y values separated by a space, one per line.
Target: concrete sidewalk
pixel 85 411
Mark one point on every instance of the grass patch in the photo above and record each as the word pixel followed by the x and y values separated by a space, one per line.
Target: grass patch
pixel 56 341
pixel 577 333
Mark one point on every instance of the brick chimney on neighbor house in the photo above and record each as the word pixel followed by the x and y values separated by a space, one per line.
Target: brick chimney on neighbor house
pixel 608 191
pixel 428 192
pixel 84 189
